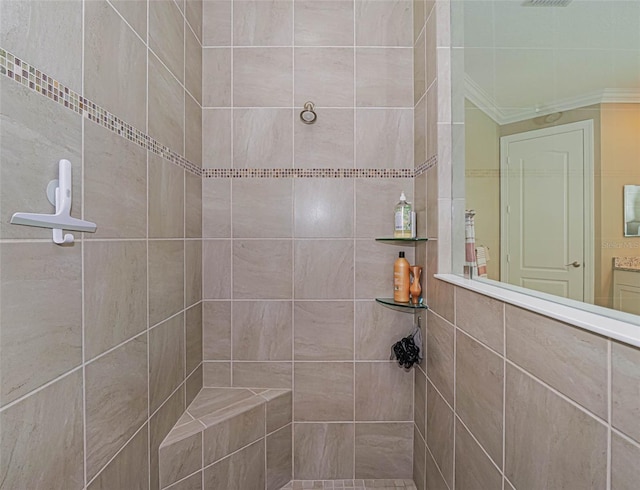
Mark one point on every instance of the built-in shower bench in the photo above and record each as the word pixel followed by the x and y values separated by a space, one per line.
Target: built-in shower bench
pixel 230 438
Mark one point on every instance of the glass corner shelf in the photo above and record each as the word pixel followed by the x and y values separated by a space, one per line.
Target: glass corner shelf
pixel 392 239
pixel 401 306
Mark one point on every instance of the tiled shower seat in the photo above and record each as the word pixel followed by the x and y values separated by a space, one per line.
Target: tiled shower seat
pixel 232 439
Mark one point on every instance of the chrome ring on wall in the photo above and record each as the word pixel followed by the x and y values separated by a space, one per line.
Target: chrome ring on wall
pixel 308 115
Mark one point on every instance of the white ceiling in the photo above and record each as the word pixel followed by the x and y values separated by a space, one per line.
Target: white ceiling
pixel 537 60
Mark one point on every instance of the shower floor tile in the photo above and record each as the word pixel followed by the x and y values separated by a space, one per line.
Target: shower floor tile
pixel 394 484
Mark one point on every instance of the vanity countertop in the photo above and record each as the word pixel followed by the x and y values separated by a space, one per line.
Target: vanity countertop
pixel 631 264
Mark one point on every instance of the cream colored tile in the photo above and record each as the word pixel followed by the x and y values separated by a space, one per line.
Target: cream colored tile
pixel 41 318
pixel 216 269
pixel 374 267
pixel 262 208
pixel 262 269
pixel 216 77
pixel 324 76
pixel 440 420
pixel 328 143
pixel 262 138
pixel 624 463
pixel 327 23
pixel 473 468
pixel 193 271
pixel 193 130
pixel 216 23
pixel 166 279
pixel 324 208
pixel 216 208
pixel 193 205
pixel 242 470
pixel 216 330
pixel 180 453
pixel 262 77
pixel 262 374
pixel 377 329
pixel 193 326
pixel 166 360
pixel 420 401
pixel 625 389
pixel 32 129
pixel 216 138
pixel 479 386
pixel 569 359
pixel 166 35
pixel 160 424
pixel 323 391
pixel 262 330
pixel 111 161
pixel 115 293
pixel 279 458
pixel 48 35
pixel 536 415
pixel 481 317
pixel 124 470
pixel 384 23
pixel 384 77
pixel 166 198
pixel 194 384
pixel 193 65
pixel 323 330
pixel 50 418
pixel 440 355
pixel 216 374
pixel 384 451
pixel 419 68
pixel 115 61
pixel 375 203
pixel 323 451
pixel 329 263
pixel 116 401
pixel 384 138
pixel 166 107
pixel 419 461
pixel 420 133
pixel 279 409
pixel 262 23
pixel 375 381
pixel 193 13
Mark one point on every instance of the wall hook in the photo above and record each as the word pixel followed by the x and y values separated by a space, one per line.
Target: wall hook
pixel 308 115
pixel 59 194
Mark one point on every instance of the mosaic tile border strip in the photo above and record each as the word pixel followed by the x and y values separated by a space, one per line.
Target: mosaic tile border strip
pixel 302 173
pixel 432 161
pixel 395 484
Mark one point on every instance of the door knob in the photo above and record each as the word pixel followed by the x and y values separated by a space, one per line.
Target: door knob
pixel 575 263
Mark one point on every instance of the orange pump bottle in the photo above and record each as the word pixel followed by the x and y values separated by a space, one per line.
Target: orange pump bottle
pixel 401 282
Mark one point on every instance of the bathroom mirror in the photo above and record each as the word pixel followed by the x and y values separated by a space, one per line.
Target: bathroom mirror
pixel 546 98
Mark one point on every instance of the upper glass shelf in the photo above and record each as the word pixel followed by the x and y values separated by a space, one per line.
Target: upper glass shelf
pixel 392 239
pixel 403 306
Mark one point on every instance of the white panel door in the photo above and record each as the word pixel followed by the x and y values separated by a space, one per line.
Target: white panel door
pixel 543 210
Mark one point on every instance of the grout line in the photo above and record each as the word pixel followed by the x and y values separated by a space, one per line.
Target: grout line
pixel 504 392
pixel 609 409
pixel 430 455
pixel 82 263
pixel 147 330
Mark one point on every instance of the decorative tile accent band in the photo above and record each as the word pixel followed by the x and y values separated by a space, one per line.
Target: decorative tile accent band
pixel 423 167
pixel 302 173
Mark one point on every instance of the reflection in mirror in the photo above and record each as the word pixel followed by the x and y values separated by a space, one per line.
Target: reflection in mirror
pixel 551 105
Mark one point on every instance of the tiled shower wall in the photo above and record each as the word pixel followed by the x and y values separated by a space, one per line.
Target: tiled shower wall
pixel 100 341
pixel 290 264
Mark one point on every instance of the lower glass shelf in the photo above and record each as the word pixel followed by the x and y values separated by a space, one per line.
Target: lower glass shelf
pixel 402 306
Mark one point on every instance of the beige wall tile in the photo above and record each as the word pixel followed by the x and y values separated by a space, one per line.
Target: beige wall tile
pixel 216 269
pixel 384 138
pixel 374 267
pixel 482 317
pixel 46 34
pixel 279 409
pixel 323 391
pixel 420 401
pixel 327 23
pixel 262 138
pixel 216 208
pixel 441 294
pixel 216 77
pixel 384 451
pixel 479 387
pixel 262 330
pixel 384 23
pixel 216 23
pixel 194 384
pixel 166 107
pixel 166 360
pixel 216 138
pixel 473 468
pixel 262 77
pixel 384 77
pixel 324 76
pixel 194 14
pixel 431 50
pixel 115 293
pixel 124 470
pixel 625 389
pixel 375 202
pixel 262 269
pixel 569 359
pixel 440 355
pixel 193 205
pixel 262 23
pixel 323 330
pixel 194 482
pixel 440 420
pixel 323 451
pixel 160 424
pixel 329 263
pixel 216 374
pixel 279 458
pixel 116 401
pixel 166 198
pixel 193 271
pixel 419 457
pixel 242 470
pixel 432 202
pixel 180 453
pixel 193 326
pixel 41 317
pixel 419 68
pixel 262 374
pixel 115 61
pixel 328 143
pixel 166 279
pixel 435 479
pixel 193 130
pixel 624 463
pixel 420 132
pixel 536 415
pixel 375 381
pixel 166 35
pixel 216 330
pixel 324 208
pixel 262 208
pixel 377 329
pixel 193 64
pixel 419 17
